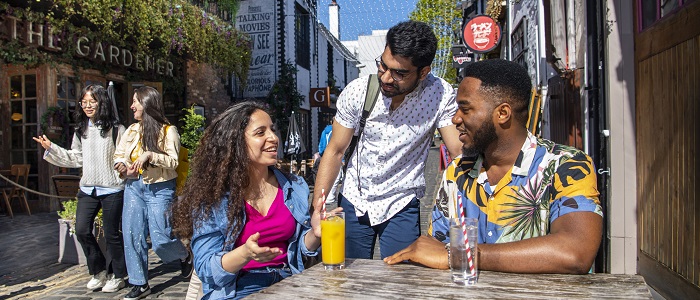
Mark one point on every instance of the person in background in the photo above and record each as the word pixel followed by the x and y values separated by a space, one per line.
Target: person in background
pixel 325 137
pixel 96 135
pixel 536 201
pixel 385 173
pixel 249 222
pixel 147 156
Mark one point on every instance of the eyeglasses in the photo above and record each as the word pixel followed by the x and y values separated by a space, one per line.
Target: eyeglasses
pixel 86 104
pixel 395 74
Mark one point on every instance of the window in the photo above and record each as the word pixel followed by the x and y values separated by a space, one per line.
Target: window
pixel 651 11
pixel 302 37
pixel 24 123
pixel 519 41
pixel 67 100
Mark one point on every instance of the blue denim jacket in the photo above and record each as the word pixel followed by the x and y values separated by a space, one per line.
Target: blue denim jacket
pixel 208 240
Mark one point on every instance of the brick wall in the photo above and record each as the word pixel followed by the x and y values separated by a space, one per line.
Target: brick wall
pixel 206 88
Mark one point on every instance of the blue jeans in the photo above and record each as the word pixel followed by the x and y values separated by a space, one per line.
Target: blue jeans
pixel 252 281
pixel 395 234
pixel 146 211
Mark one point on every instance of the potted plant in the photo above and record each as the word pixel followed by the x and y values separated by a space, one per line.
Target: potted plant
pixel 69 250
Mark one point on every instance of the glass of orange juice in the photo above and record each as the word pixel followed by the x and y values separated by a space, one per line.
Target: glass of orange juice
pixel 333 240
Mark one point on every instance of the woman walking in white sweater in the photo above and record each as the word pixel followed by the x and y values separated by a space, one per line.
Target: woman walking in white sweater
pixel 96 135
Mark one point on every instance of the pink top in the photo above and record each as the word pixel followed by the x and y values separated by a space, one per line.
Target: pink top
pixel 276 228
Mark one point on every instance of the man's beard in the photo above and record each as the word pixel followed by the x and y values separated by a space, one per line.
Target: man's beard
pixel 482 138
pixel 397 90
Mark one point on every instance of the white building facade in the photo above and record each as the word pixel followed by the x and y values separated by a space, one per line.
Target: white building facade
pixel 288 31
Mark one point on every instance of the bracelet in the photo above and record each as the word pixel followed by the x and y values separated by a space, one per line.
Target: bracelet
pixel 447 247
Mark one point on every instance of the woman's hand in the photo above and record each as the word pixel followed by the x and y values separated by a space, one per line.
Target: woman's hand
pixel 316 220
pixel 44 141
pixel 257 253
pixel 141 163
pixel 121 168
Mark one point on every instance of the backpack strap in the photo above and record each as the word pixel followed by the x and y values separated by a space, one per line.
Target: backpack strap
pixel 370 100
pixel 115 132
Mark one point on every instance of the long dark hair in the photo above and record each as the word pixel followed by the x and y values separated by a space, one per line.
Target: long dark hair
pixel 219 166
pixel 105 116
pixel 152 118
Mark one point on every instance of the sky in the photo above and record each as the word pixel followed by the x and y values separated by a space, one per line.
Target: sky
pixel 360 17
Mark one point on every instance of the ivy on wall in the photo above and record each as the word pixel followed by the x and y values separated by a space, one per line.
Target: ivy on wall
pixel 157 27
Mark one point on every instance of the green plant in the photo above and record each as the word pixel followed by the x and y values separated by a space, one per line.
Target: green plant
pixel 70 208
pixel 284 96
pixel 157 27
pixel 445 19
pixel 192 130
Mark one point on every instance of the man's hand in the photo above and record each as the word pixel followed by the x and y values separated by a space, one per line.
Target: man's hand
pixel 426 250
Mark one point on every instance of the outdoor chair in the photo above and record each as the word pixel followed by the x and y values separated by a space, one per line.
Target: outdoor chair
pixel 20 175
pixel 66 185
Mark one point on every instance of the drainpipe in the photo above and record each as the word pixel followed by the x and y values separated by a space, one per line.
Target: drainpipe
pixel 597 115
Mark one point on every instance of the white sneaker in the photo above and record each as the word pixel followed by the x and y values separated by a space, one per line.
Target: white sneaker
pixel 98 280
pixel 113 284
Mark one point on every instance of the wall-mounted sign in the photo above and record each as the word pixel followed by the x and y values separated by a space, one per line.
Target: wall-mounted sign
pixel 42 36
pixel 461 56
pixel 481 34
pixel 320 97
pixel 258 18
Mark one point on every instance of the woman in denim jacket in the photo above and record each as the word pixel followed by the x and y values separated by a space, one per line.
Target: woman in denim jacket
pixel 249 222
pixel 147 156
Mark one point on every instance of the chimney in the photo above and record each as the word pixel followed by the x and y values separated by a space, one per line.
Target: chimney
pixel 333 16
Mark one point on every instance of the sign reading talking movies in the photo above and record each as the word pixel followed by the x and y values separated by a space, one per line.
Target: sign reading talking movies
pixel 257 18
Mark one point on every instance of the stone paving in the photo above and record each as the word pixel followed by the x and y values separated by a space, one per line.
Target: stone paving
pixel 29 267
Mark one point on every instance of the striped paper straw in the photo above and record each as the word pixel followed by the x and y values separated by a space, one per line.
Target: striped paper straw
pixel 323 206
pixel 462 219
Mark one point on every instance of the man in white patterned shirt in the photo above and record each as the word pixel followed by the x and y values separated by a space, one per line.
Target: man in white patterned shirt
pixel 385 175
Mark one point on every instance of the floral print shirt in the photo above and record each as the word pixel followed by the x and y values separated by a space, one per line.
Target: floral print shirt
pixel 547 181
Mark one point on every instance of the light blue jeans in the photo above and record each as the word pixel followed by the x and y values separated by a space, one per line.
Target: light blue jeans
pixel 146 211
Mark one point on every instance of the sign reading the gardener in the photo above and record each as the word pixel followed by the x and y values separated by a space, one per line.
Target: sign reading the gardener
pixel 32 34
pixel 481 34
pixel 257 18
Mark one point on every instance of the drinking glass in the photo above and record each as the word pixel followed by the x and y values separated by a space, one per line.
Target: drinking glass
pixel 462 273
pixel 333 240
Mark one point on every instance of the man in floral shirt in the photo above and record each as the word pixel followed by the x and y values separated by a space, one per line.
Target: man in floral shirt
pixel 536 201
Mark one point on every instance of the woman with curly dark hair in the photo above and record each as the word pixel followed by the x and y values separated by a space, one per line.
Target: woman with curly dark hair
pixel 248 222
pixel 96 135
pixel 147 156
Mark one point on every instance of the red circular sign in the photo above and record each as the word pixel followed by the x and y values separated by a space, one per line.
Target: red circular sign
pixel 481 34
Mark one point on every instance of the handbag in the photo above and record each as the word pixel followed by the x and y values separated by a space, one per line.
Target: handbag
pixel 183 166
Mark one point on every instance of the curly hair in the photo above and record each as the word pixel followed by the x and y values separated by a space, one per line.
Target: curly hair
pixel 219 167
pixel 505 81
pixel 152 119
pixel 413 40
pixel 105 116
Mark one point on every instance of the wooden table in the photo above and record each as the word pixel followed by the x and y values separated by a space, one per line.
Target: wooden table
pixel 373 279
